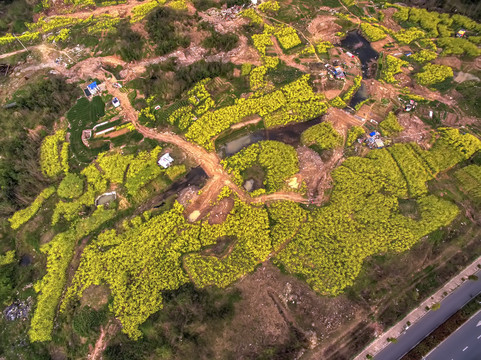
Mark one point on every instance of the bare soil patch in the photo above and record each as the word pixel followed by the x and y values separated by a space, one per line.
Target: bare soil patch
pixel 415 130
pixel 188 195
pixel 323 28
pixel 342 120
pixel 221 24
pixel 95 296
pixel 219 212
pixel 310 165
pixel 388 21
pixel 451 61
pixel 281 312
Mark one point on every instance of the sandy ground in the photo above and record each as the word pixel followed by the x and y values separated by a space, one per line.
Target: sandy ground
pixel 415 130
pixel 323 28
pixel 277 309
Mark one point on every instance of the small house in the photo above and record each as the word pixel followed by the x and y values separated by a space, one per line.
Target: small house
pixel 379 144
pixel 165 161
pixel 115 102
pixel 350 54
pixel 339 73
pixel 93 88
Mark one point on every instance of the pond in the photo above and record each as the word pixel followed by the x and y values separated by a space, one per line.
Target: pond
pixel 362 48
pixel 290 134
pixel 195 177
pixel 359 96
pixel 106 198
pixel 25 260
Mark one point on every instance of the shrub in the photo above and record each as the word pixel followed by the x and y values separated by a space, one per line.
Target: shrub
pixel 221 42
pixel 71 187
pixel 433 74
pixel 161 28
pixel 424 56
pixel 372 33
pixel 323 135
pixel 87 320
pixel 390 125
pixel 353 134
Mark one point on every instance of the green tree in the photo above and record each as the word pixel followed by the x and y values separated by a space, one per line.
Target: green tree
pixel 323 135
pixel 390 125
pixel 72 186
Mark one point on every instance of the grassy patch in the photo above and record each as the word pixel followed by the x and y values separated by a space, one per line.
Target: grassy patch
pixel 83 115
pixel 469 102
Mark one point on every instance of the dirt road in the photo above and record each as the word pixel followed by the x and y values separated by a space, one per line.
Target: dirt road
pixel 209 161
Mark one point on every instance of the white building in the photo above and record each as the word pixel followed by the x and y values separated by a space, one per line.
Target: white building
pixel 165 161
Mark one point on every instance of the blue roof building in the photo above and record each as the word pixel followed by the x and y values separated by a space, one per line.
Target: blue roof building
pixel 92 88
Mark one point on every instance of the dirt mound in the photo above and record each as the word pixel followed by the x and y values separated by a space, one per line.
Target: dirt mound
pixel 415 130
pixel 323 28
pixel 219 212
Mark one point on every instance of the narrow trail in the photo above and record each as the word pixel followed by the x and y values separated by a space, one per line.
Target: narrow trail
pixel 95 353
pixel 3 56
pixel 125 9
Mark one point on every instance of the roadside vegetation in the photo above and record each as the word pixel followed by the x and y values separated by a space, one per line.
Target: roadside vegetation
pixel 445 329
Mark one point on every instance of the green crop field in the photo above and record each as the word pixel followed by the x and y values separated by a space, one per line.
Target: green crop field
pixel 83 115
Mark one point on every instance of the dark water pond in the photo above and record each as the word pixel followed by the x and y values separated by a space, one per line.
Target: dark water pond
pixel 25 260
pixel 195 177
pixel 359 96
pixel 290 134
pixel 362 48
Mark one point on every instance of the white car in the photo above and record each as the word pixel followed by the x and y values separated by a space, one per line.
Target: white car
pixel 115 102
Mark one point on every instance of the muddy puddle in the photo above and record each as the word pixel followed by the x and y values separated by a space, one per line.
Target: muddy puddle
pixel 290 134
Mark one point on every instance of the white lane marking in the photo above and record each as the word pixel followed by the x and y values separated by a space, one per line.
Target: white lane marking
pixel 479 337
pixel 465 348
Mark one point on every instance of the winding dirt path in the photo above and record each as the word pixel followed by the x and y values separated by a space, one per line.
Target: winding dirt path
pixel 209 161
pixel 106 333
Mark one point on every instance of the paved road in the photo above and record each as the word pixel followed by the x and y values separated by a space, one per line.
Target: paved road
pixel 463 344
pixel 431 320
